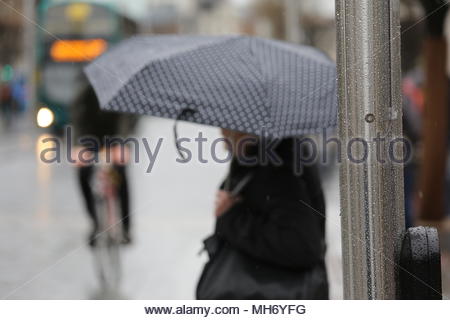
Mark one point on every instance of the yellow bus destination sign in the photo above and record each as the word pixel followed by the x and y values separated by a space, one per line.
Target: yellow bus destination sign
pixel 77 50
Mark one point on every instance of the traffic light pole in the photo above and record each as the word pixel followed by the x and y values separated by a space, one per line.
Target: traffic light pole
pixel 371 177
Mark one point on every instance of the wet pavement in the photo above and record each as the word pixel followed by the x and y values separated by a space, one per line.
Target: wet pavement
pixel 43 226
pixel 43 229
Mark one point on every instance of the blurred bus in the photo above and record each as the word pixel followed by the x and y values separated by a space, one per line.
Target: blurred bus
pixel 72 33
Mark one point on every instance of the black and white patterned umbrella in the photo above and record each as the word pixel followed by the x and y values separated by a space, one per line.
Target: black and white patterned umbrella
pixel 242 83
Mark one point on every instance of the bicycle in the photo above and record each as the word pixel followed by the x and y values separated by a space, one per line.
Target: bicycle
pixel 109 238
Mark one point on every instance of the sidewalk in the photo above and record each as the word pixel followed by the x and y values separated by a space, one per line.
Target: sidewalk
pixel 43 225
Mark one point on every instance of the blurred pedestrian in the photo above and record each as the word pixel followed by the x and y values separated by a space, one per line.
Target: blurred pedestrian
pixel 269 240
pixel 6 103
pixel 89 121
pixel 413 108
pixel 18 92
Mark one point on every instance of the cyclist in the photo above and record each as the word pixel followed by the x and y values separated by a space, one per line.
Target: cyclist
pixel 89 121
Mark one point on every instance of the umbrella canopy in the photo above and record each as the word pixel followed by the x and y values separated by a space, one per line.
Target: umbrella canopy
pixel 243 83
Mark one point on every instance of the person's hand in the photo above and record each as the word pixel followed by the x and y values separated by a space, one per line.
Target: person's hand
pixel 224 201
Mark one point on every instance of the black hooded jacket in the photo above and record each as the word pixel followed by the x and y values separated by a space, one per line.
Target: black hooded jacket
pixel 281 217
pixel 89 120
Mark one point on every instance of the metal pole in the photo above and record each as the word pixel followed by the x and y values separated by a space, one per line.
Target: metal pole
pixel 369 122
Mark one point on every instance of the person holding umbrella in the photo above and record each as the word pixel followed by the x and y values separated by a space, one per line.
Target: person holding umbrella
pixel 269 239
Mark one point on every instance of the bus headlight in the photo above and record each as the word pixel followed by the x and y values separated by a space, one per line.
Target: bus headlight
pixel 45 117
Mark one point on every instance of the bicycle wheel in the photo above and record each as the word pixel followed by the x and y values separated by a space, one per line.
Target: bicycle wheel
pixel 108 265
pixel 107 243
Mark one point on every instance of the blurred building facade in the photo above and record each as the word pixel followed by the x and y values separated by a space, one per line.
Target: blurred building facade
pixel 192 16
pixel 218 17
pixel 11 31
pixel 308 22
